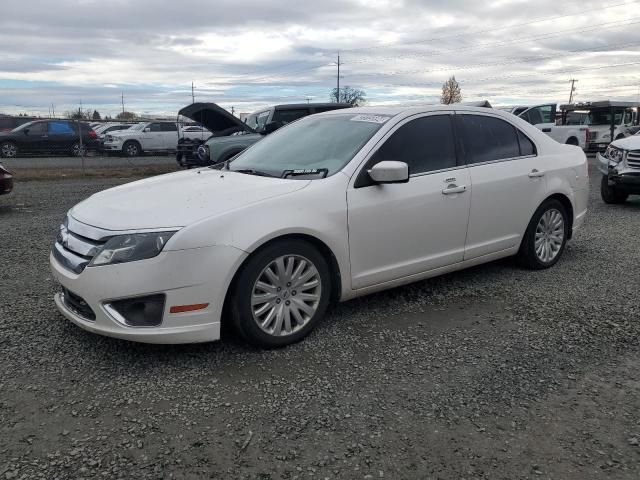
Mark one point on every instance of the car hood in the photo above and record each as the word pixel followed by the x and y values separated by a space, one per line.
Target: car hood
pixel 628 143
pixel 214 118
pixel 178 199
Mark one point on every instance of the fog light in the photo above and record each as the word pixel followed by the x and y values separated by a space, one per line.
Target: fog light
pixel 138 312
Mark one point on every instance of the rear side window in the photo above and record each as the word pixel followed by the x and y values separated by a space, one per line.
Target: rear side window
pixel 60 128
pixel 485 139
pixel 288 116
pixel 526 146
pixel 425 144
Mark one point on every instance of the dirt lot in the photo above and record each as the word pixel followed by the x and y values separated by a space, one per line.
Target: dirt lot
pixel 495 372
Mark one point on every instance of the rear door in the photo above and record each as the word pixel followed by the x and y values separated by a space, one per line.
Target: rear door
pixel 62 135
pixel 170 135
pixel 507 178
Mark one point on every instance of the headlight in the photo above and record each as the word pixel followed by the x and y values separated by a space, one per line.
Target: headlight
pixel 615 155
pixel 130 248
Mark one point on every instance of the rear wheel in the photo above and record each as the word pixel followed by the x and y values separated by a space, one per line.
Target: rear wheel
pixel 609 193
pixel 131 149
pixel 8 150
pixel 281 294
pixel 573 141
pixel 546 236
pixel 78 150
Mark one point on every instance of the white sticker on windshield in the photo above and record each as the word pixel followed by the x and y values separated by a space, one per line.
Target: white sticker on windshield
pixel 370 118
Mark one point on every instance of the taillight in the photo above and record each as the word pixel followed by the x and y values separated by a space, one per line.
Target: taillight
pixel 92 134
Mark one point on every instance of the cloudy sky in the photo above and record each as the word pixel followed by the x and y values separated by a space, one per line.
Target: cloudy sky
pixel 250 53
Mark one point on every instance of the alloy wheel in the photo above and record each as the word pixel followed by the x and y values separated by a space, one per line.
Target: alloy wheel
pixel 549 235
pixel 132 150
pixel 9 150
pixel 286 295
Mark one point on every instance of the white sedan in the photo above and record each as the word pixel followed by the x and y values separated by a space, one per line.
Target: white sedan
pixel 331 207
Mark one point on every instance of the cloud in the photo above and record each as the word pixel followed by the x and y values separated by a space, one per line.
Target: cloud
pixel 252 53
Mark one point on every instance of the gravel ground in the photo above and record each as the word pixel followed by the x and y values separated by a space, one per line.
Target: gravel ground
pixel 495 372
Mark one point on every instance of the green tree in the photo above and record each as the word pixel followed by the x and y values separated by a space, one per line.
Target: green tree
pixel 353 96
pixel 451 92
pixel 96 115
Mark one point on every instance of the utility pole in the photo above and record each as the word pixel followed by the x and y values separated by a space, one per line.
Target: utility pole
pixel 122 98
pixel 233 110
pixel 573 89
pixel 338 82
pixel 193 97
pixel 53 111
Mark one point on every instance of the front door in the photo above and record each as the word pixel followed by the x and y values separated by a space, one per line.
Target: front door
pixel 153 137
pixel 508 182
pixel 36 138
pixel 399 230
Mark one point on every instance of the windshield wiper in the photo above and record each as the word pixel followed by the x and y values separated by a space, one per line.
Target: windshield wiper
pixel 251 171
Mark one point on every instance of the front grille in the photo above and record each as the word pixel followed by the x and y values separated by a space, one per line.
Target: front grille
pixel 633 159
pixel 76 244
pixel 77 305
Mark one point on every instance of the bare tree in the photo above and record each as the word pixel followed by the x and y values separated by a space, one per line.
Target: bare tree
pixel 126 116
pixel 451 92
pixel 353 96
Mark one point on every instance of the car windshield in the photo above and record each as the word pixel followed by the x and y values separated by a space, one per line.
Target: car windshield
pixel 22 127
pixel 316 143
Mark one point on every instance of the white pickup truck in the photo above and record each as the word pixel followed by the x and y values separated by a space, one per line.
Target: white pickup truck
pixel 543 117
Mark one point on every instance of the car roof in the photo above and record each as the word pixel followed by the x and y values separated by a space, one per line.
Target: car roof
pixel 406 110
pixel 293 106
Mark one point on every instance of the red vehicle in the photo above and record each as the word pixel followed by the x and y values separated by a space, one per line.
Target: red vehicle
pixel 6 181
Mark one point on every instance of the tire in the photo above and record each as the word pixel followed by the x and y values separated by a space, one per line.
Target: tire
pixel 8 150
pixel 131 149
pixel 284 320
pixel 609 194
pixel 76 151
pixel 542 246
pixel 572 141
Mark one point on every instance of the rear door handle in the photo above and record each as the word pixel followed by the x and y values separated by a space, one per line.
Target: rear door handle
pixel 451 189
pixel 535 173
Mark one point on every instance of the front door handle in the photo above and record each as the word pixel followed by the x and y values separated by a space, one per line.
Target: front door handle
pixel 535 173
pixel 451 189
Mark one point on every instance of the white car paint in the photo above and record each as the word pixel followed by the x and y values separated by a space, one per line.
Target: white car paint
pixel 570 134
pixel 148 135
pixel 380 236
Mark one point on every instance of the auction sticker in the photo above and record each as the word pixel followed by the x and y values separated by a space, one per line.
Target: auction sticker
pixel 370 118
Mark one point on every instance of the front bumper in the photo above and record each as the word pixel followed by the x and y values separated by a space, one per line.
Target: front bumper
pixel 623 179
pixel 185 277
pixel 111 146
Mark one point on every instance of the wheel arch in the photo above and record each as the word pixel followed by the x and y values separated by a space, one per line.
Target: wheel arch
pixel 572 140
pixel 322 247
pixel 132 140
pixel 566 203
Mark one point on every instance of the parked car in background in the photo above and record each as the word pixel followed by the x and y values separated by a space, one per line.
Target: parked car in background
pixel 543 117
pixel 9 122
pixel 620 168
pixel 6 181
pixel 331 207
pixel 48 136
pixel 142 137
pixel 230 135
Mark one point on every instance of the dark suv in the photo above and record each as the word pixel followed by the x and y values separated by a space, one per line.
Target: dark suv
pixel 230 135
pixel 48 136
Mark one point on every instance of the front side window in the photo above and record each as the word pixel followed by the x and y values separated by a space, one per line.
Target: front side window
pixel 37 128
pixel 486 139
pixel 155 127
pixel 324 144
pixel 425 144
pixel 60 128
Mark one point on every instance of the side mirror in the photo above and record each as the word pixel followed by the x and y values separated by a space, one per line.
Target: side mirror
pixel 25 131
pixel 389 171
pixel 271 127
pixel 146 129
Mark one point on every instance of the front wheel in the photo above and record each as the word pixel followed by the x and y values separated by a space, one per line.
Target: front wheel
pixel 546 236
pixel 609 193
pixel 131 149
pixel 281 294
pixel 8 150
